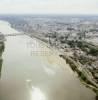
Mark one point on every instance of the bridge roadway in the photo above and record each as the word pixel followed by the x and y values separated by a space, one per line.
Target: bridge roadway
pixel 14 34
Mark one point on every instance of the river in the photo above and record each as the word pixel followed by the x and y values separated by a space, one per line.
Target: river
pixel 32 71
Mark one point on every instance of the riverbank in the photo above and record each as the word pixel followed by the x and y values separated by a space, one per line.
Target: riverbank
pixel 83 73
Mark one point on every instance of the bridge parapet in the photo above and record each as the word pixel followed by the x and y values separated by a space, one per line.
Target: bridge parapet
pixel 14 34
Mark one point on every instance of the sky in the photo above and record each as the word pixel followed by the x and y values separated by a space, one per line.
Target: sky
pixel 48 6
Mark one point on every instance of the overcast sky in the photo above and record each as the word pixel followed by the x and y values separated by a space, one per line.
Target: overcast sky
pixel 49 6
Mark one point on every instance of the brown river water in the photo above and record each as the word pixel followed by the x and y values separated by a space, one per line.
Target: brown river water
pixel 31 71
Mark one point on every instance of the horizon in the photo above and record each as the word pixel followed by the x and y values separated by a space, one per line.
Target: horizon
pixel 43 14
